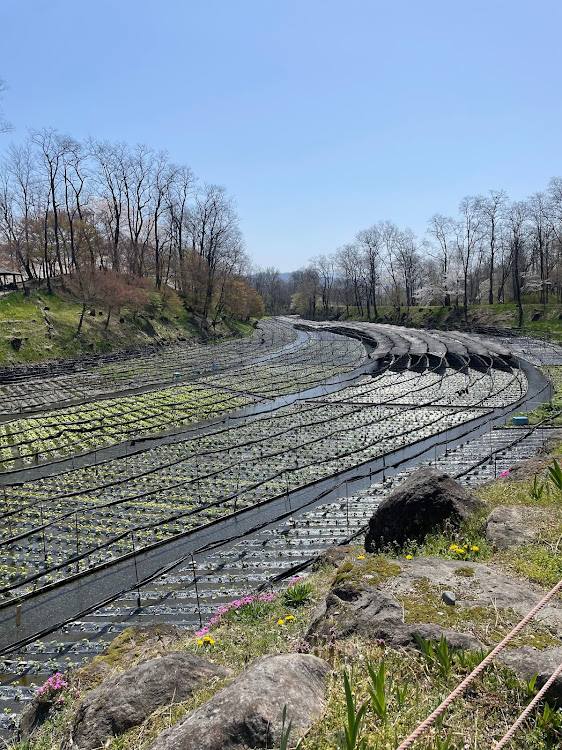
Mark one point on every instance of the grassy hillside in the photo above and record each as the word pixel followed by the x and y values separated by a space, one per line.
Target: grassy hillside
pixel 44 326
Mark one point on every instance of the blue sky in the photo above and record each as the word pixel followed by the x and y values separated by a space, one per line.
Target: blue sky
pixel 320 117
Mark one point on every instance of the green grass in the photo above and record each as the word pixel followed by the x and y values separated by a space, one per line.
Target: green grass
pixel 47 326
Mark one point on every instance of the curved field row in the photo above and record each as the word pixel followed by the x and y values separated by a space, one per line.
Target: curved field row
pixel 23 391
pixel 222 472
pixel 88 427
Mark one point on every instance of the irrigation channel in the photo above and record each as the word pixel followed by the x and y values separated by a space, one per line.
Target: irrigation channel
pixel 218 470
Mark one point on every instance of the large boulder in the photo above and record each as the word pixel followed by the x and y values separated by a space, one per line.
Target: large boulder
pixel 126 700
pixel 134 645
pixel 248 712
pixel 425 500
pixel 506 526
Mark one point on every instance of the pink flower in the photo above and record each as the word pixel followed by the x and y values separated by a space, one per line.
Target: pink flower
pixel 235 604
pixel 504 473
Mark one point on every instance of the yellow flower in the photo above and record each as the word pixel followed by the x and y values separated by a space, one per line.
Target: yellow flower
pixel 290 617
pixel 475 548
pixel 208 639
pixel 280 622
pixel 408 557
pixel 453 546
pixel 361 557
pixel 199 643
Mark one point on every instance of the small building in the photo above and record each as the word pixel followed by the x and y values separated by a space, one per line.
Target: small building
pixel 6 284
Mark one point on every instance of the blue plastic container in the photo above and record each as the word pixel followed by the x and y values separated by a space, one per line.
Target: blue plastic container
pixel 520 420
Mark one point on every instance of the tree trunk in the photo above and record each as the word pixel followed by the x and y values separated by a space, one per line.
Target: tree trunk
pixel 81 318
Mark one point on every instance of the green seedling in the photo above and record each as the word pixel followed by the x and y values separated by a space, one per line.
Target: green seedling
pixel 349 737
pixel 377 690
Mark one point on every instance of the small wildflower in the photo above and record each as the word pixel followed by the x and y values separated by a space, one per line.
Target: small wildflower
pixel 294 580
pixel 290 617
pixel 474 548
pixel 199 643
pixel 280 622
pixel 361 557
pixel 453 547
pixel 408 557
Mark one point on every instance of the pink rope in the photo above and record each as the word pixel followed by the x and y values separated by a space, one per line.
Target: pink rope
pixel 523 715
pixel 475 672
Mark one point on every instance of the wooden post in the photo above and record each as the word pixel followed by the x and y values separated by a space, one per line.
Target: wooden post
pixel 136 568
pixel 196 591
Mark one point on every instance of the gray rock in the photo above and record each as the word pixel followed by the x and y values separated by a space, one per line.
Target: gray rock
pixel 449 598
pixel 248 712
pixel 422 502
pixel 126 700
pixel 33 716
pixel 528 661
pixel 356 610
pixel 486 587
pixel 506 527
pixel 375 614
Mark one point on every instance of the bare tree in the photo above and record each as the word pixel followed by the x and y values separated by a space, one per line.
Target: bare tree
pixel 271 287
pixel 407 259
pixel 350 264
pixel 370 243
pixel 542 232
pixel 109 179
pixel 390 236
pixel 5 126
pixel 518 214
pixel 179 195
pixel 163 176
pixel 325 267
pixel 441 228
pixel 52 147
pixel 492 209
pixel 468 234
pixel 213 224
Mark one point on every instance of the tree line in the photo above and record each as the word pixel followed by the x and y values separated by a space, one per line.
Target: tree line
pixel 96 215
pixel 494 250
